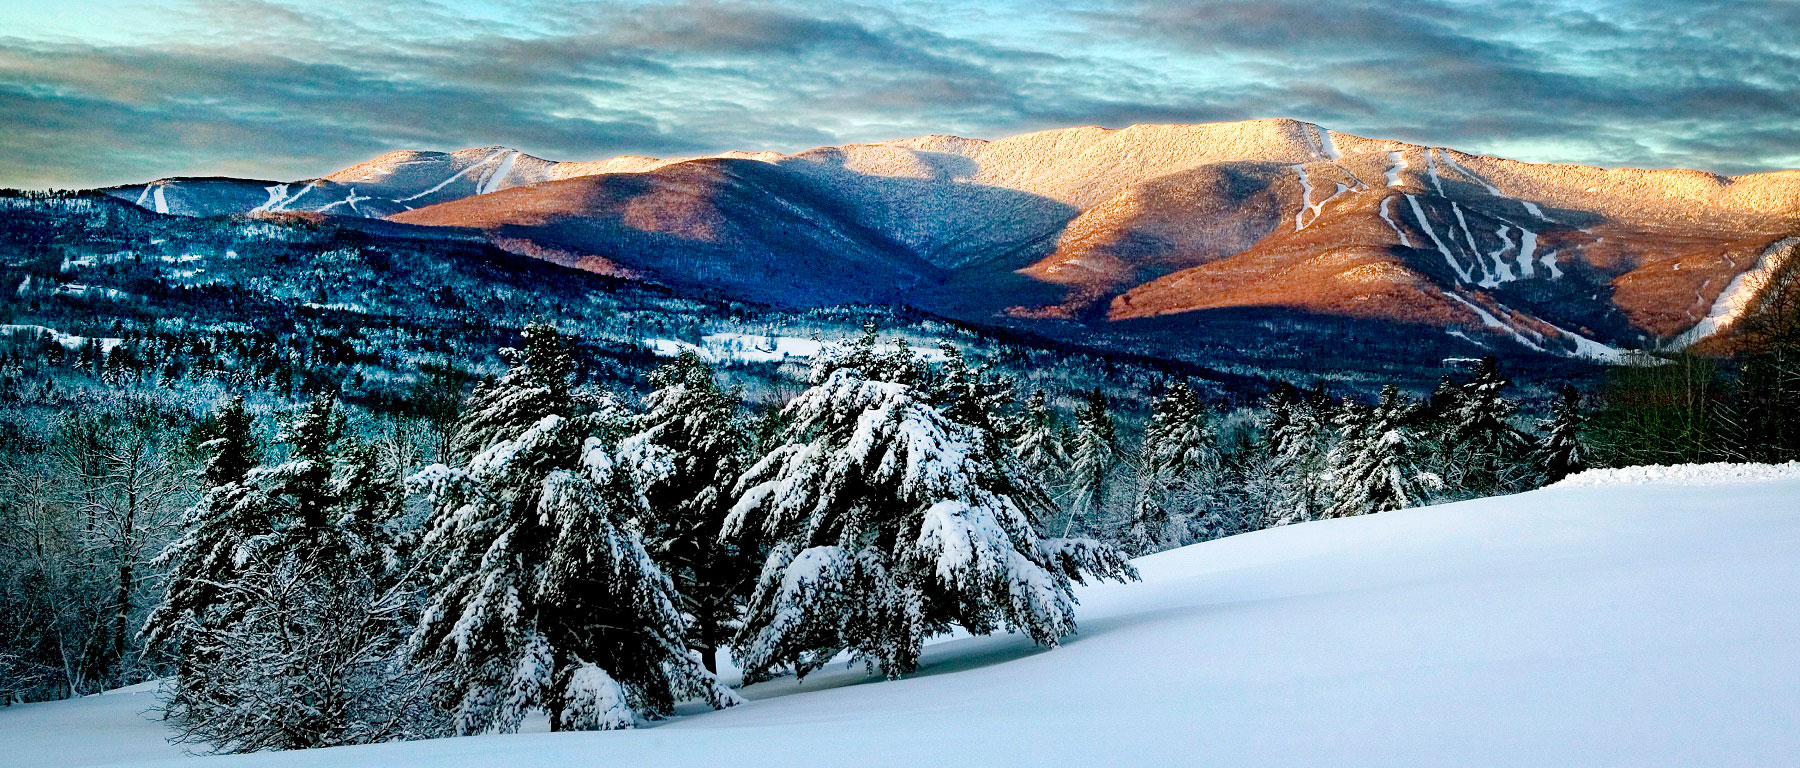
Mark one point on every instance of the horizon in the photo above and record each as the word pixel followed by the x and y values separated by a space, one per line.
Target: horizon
pixel 97 94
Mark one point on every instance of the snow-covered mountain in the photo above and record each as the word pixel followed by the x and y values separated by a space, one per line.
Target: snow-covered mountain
pixel 1134 230
pixel 1639 617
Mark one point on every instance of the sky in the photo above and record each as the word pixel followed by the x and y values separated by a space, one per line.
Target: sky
pixel 96 92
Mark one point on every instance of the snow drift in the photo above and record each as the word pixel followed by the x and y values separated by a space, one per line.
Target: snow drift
pixel 1638 618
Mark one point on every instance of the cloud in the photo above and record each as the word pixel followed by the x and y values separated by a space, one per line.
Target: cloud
pixel 270 88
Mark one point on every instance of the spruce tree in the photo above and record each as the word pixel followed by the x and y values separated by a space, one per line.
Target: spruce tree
pixel 543 595
pixel 1560 453
pixel 1298 446
pixel 289 622
pixel 1484 454
pixel 1375 466
pixel 703 431
pixel 891 523
pixel 1178 463
pixel 1092 455
pixel 1038 440
pixel 220 533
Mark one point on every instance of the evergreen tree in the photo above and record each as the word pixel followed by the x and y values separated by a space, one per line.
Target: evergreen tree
pixel 1177 468
pixel 231 451
pixel 289 622
pixel 1561 453
pixel 1092 455
pixel 1484 454
pixel 543 596
pixel 703 431
pixel 1375 466
pixel 891 523
pixel 221 531
pixel 1038 441
pixel 1298 446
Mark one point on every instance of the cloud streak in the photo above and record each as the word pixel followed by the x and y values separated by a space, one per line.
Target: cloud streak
pixel 282 90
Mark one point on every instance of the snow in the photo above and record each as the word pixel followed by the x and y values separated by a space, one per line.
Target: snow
pixel 1684 474
pixel 1527 246
pixel 1623 617
pixel 1741 293
pixel 162 205
pixel 752 348
pixel 491 182
pixel 459 174
pixel 1425 225
pixel 67 340
pixel 1389 218
pixel 1488 319
pixel 1396 164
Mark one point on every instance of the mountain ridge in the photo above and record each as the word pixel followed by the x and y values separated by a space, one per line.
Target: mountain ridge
pixel 1086 227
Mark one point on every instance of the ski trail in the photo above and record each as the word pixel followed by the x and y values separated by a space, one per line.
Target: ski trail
pixel 1488 319
pixel 1741 294
pixel 1503 270
pixel 495 178
pixel 1326 145
pixel 1458 167
pixel 1549 262
pixel 1533 209
pixel 459 174
pixel 1469 237
pixel 277 194
pixel 1431 169
pixel 1429 232
pixel 1305 197
pixel 162 205
pixel 1396 164
pixel 143 197
pixel 1389 218
pixel 1527 247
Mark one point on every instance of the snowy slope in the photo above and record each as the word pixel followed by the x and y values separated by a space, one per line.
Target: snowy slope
pixel 1640 618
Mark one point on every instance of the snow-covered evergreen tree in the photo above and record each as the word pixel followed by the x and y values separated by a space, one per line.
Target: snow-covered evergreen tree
pixel 1093 452
pixel 703 431
pixel 1178 463
pixel 891 523
pixel 1560 452
pixel 1483 453
pixel 1038 441
pixel 1376 465
pixel 289 622
pixel 543 595
pixel 1297 444
pixel 220 533
pixel 973 395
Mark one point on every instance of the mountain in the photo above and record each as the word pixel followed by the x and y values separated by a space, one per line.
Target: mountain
pixel 1151 232
pixel 1637 617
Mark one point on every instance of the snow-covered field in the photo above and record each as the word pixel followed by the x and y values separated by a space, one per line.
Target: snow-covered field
pixel 1632 619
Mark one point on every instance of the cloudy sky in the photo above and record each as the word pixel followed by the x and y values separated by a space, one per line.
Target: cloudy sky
pixel 107 91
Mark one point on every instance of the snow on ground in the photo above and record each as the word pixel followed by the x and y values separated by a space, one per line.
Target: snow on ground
pixel 750 348
pixel 1741 294
pixel 67 340
pixel 1629 618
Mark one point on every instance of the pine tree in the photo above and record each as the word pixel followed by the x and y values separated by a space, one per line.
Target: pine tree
pixel 1484 454
pixel 1177 468
pixel 221 532
pixel 703 430
pixel 1092 455
pixel 289 620
pixel 543 596
pixel 1038 441
pixel 1298 447
pixel 1375 466
pixel 891 523
pixel 231 451
pixel 1560 453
